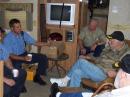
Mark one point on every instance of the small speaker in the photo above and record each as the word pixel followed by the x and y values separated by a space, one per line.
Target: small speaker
pixel 69 36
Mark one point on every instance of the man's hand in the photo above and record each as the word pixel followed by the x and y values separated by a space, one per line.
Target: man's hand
pixel 112 73
pixel 82 57
pixel 85 57
pixel 93 47
pixel 27 58
pixel 9 82
pixel 40 44
pixel 83 51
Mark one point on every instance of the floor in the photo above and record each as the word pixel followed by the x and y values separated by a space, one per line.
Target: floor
pixel 35 90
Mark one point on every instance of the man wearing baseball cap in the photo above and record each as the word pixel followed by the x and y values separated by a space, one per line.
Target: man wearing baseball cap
pixel 121 83
pixel 102 66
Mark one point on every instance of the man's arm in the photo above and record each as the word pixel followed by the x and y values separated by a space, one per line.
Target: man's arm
pixel 102 38
pixel 9 82
pixel 21 58
pixel 81 47
pixel 8 64
pixel 88 57
pixel 81 37
pixel 41 44
pixel 80 42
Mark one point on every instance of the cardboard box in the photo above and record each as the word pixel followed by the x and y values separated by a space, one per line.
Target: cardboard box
pixel 55 49
pixel 30 74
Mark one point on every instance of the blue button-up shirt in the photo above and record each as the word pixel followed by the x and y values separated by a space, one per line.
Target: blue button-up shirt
pixel 16 43
pixel 4 55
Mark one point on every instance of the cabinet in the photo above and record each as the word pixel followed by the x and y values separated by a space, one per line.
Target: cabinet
pixel 70 40
pixel 69 32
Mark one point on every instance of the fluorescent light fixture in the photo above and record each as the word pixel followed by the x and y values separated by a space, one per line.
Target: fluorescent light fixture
pixel 115 9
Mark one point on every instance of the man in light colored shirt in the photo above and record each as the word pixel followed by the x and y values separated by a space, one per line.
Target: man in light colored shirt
pixel 91 39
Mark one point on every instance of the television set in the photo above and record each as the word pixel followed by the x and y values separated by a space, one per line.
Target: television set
pixel 60 13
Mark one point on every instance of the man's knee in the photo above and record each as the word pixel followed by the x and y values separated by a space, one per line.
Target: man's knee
pixel 22 73
pixel 42 57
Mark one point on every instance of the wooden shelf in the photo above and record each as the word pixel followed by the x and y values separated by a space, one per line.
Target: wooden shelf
pixel 70 46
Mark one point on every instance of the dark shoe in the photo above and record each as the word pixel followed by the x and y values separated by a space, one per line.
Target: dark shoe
pixel 38 80
pixel 24 90
pixel 54 90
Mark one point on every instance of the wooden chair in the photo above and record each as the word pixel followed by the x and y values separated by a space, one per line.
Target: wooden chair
pixel 94 85
pixel 128 42
pixel 102 87
pixel 1 78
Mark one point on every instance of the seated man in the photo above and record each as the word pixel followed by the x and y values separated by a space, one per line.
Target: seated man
pixel 91 39
pixel 15 41
pixel 102 66
pixel 12 85
pixel 122 82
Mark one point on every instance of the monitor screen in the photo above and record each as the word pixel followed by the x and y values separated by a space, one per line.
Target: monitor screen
pixel 59 13
pixel 56 12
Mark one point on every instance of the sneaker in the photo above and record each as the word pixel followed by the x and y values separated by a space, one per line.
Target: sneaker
pixel 61 82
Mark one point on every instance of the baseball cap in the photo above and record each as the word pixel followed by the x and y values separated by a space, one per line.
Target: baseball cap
pixel 116 35
pixel 125 63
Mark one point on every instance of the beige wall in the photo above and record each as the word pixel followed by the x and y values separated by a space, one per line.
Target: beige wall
pixel 34 32
pixel 119 17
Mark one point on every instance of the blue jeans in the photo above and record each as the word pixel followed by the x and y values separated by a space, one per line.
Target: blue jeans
pixel 78 94
pixel 85 69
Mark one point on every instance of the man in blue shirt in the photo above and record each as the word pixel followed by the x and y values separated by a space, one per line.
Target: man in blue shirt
pixel 15 41
pixel 12 85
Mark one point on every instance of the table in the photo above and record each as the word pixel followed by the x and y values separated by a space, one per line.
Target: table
pixel 55 61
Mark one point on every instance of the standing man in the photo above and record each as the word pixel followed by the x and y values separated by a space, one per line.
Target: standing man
pixel 92 39
pixel 15 41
